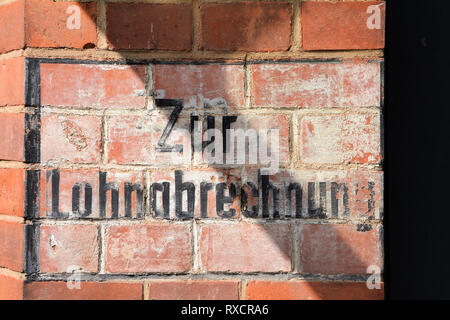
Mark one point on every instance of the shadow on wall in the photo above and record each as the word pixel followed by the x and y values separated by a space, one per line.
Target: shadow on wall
pixel 295 208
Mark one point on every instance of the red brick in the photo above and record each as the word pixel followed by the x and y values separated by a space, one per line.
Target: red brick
pixel 352 83
pixel 213 176
pixel 311 290
pixel 64 248
pixel 68 178
pixel 336 249
pixel 88 291
pixel 194 290
pixel 245 247
pixel 148 248
pixel 12 80
pixel 11 23
pixel 46 24
pixel 43 23
pixel 340 26
pixel 11 288
pixel 12 130
pixel 133 139
pixel 71 138
pixel 139 26
pixel 202 86
pixel 11 245
pixel 227 27
pixel 12 191
pixel 93 85
pixel 351 138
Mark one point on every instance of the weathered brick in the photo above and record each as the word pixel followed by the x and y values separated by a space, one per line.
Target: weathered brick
pixel 46 24
pixel 12 129
pixel 134 139
pixel 341 25
pixel 311 290
pixel 351 83
pixel 93 85
pixel 203 86
pixel 53 290
pixel 228 26
pixel 12 191
pixel 78 182
pixel 193 290
pixel 68 248
pixel 12 80
pixel 11 288
pixel 11 245
pixel 245 247
pixel 336 249
pixel 149 26
pixel 70 138
pixel 148 248
pixel 350 138
pixel 11 23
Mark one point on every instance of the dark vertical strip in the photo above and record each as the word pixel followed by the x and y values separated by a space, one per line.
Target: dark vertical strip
pixel 264 183
pixel 226 125
pixel 32 83
pixel 311 198
pixel 102 195
pixel 382 84
pixel 204 188
pixel 32 154
pixel 382 249
pixel 55 193
pixel 32 137
pixel 298 200
pixel 334 200
pixel 194 118
pixel 323 196
pixel 371 200
pixel 32 234
pixel 104 187
pixel 32 211
pixel 32 194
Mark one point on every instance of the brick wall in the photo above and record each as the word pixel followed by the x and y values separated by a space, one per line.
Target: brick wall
pixel 97 199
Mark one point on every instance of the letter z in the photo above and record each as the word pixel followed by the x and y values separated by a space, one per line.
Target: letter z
pixel 165 103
